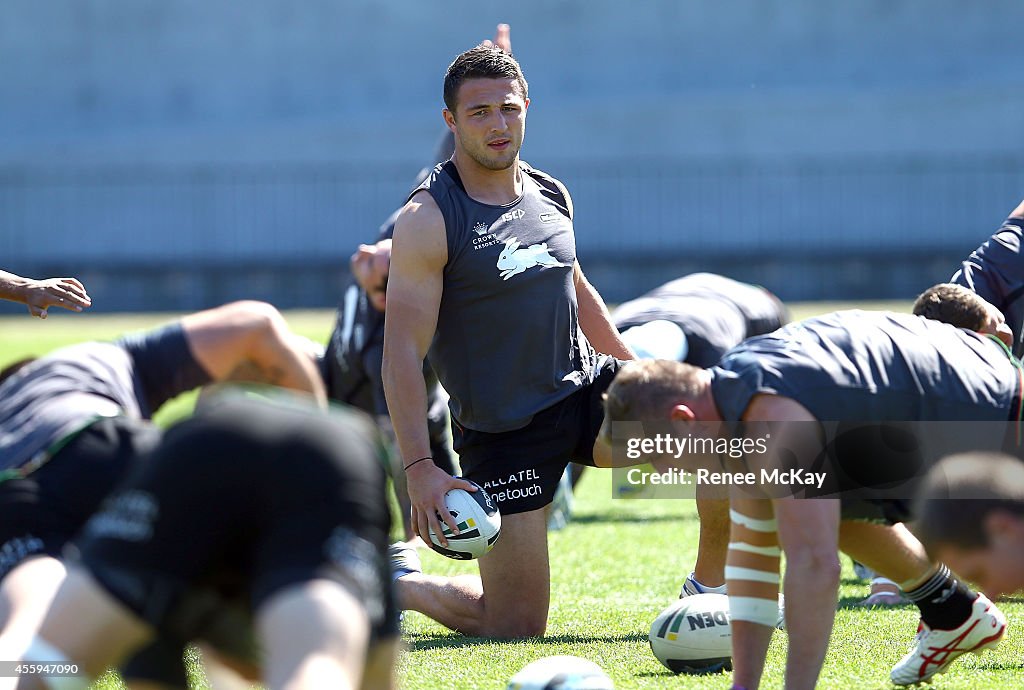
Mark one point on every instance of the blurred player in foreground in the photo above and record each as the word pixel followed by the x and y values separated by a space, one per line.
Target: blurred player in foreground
pixel 970 514
pixel 74 423
pixel 259 527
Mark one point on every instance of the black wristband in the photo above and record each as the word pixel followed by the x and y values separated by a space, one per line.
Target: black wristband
pixel 427 457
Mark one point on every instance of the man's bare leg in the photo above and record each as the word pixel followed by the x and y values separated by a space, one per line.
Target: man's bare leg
pixel 25 595
pixel 713 547
pixel 890 550
pixel 808 533
pixel 511 596
pixel 313 635
pixel 754 546
pixel 90 627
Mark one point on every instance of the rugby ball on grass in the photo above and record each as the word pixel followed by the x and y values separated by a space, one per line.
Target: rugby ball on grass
pixel 694 635
pixel 561 673
pixel 478 520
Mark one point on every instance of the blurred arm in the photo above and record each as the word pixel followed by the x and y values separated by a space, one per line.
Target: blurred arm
pixel 250 341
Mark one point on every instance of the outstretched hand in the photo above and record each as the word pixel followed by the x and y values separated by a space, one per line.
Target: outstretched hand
pixel 427 486
pixel 66 293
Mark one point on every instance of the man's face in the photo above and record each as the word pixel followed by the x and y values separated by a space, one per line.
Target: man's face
pixel 997 568
pixel 370 265
pixel 490 121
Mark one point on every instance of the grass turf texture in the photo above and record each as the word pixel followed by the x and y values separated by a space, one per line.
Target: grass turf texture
pixel 613 569
pixel 617 564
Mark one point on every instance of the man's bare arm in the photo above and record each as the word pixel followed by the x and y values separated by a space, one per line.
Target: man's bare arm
pixel 808 533
pixel 419 252
pixel 250 341
pixel 595 320
pixel 40 295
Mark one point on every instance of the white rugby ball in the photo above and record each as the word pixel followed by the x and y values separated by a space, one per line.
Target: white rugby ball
pixel 479 522
pixel 694 635
pixel 561 673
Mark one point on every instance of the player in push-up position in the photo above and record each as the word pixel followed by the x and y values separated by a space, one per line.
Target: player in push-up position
pixel 259 527
pixel 867 367
pixel 75 422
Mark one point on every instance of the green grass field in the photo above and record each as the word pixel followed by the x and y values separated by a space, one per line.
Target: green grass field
pixel 614 568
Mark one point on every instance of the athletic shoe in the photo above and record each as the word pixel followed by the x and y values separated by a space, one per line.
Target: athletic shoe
pixel 560 511
pixel 692 586
pixel 404 560
pixel 935 650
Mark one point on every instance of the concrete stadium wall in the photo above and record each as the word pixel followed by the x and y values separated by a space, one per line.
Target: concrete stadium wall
pixel 214 143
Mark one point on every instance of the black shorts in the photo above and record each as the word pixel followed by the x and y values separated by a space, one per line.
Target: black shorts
pixel 877 468
pixel 41 512
pixel 238 503
pixel 885 511
pixel 521 468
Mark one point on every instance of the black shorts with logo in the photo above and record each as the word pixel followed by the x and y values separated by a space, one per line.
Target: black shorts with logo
pixel 238 503
pixel 521 468
pixel 42 511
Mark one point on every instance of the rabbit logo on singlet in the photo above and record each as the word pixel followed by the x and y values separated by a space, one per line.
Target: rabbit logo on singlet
pixel 514 260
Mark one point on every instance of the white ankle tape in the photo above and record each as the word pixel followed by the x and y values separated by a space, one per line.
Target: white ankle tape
pixel 41 652
pixel 753 523
pixel 754 610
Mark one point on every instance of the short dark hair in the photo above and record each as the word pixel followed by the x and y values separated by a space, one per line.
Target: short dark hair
pixel 960 492
pixel 482 62
pixel 646 389
pixel 953 304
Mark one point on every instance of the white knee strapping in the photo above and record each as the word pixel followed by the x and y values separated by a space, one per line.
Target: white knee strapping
pixel 42 652
pixel 733 572
pixel 754 610
pixel 751 548
pixel 753 523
